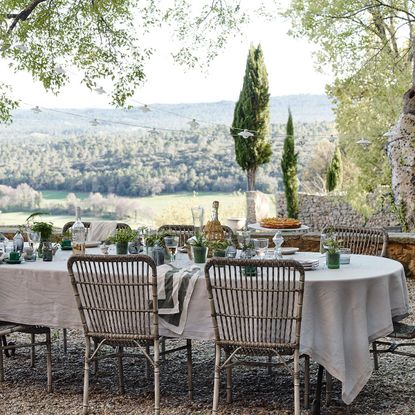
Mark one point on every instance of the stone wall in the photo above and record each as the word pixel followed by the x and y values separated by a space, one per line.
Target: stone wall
pixel 319 210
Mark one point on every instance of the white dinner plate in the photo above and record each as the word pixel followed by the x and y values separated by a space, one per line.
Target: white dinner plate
pixel 92 244
pixel 289 251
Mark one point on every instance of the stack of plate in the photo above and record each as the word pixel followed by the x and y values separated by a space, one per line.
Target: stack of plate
pixel 309 264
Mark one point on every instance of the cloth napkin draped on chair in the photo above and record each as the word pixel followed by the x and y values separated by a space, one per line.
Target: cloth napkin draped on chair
pixel 174 289
pixel 100 230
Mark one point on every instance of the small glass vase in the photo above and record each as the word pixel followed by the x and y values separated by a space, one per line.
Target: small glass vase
pixel 47 251
pixel 199 254
pixel 333 260
pixel 121 248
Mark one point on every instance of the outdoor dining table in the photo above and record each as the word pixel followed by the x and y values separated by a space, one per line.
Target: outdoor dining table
pixel 343 311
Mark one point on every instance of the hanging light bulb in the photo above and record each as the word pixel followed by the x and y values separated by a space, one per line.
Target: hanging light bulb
pixel 59 70
pixel 100 90
pixel 301 141
pixel 193 123
pixel 36 109
pixel 22 48
pixel 145 108
pixel 94 122
pixel 363 142
pixel 246 134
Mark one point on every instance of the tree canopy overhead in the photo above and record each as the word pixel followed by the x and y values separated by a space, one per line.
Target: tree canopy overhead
pixel 105 39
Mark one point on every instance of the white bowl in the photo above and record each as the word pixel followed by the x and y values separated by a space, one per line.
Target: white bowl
pixel 236 223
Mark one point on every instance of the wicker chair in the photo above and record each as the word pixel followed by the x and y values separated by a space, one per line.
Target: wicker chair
pixel 187 231
pixel 256 310
pixel 361 241
pixel 118 305
pixel 7 328
pixel 68 226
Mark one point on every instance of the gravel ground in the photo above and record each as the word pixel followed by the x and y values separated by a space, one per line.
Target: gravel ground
pixel 389 391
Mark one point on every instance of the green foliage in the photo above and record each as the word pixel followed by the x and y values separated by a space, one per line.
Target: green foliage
pixel 289 171
pixel 123 235
pixel 332 245
pixel 367 46
pixel 106 40
pixel 199 240
pixel 219 245
pixel 44 228
pixel 335 171
pixel 252 113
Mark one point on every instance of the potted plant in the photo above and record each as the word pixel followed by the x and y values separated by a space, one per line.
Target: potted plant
pixel 45 229
pixel 248 252
pixel 332 247
pixel 199 247
pixel 121 239
pixel 219 247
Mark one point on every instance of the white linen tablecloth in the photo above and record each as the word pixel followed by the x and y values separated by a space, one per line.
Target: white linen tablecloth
pixel 343 311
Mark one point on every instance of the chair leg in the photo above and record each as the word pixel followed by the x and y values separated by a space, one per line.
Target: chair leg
pixel 306 382
pixel 1 360
pixel 120 370
pixel 269 367
pixel 189 369
pixel 329 387
pixel 86 375
pixel 315 407
pixel 156 377
pixel 375 356
pixel 4 343
pixel 229 382
pixel 297 409
pixel 216 383
pixel 65 341
pixel 33 351
pixel 49 361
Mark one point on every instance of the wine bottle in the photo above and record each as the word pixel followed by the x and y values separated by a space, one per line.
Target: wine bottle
pixel 78 235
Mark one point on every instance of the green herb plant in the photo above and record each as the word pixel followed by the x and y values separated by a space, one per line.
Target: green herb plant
pixel 123 235
pixel 44 228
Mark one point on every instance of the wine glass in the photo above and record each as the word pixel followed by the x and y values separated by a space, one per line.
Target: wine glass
pixel 260 246
pixel 34 240
pixel 198 214
pixel 278 241
pixel 172 243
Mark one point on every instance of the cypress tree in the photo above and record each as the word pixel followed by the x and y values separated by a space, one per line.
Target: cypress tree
pixel 334 174
pixel 289 170
pixel 252 113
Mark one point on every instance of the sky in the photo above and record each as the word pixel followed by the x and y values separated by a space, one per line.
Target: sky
pixel 289 62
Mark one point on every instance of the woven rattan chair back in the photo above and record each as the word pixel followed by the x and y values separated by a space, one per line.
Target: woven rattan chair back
pixel 362 241
pixel 255 303
pixel 116 295
pixel 184 232
pixel 68 226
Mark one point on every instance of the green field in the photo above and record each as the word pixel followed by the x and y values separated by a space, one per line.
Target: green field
pixel 152 211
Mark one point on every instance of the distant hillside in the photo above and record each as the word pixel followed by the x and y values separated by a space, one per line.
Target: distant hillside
pixel 305 109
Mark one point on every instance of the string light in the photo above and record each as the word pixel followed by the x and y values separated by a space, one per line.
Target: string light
pixel 332 138
pixel 145 108
pixel 363 142
pixel 193 124
pixel 100 90
pixel 246 134
pixel 36 109
pixel 59 70
pixel 22 48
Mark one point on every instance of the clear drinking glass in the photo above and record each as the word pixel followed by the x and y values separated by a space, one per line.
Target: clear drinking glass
pixel 278 241
pixel 260 246
pixel 198 214
pixel 244 238
pixel 172 243
pixel 34 240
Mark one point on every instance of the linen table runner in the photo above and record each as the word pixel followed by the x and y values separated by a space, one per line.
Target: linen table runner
pixel 174 289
